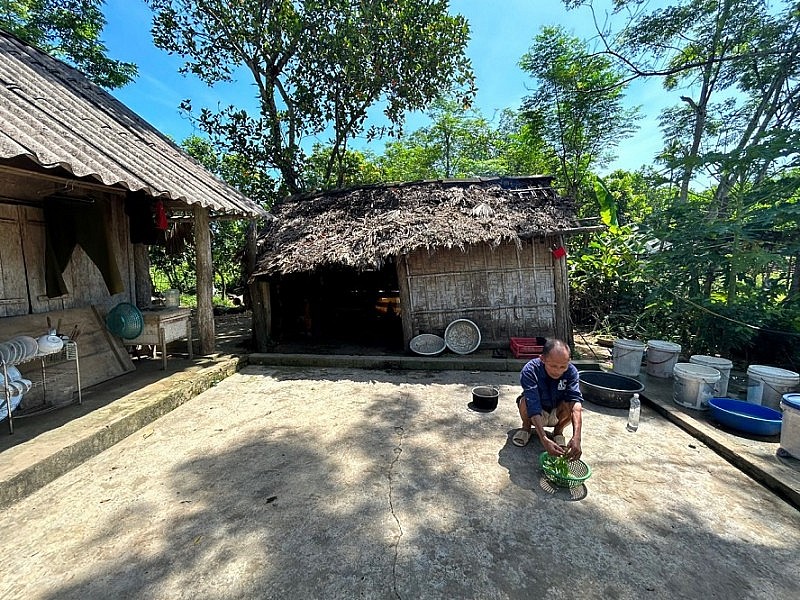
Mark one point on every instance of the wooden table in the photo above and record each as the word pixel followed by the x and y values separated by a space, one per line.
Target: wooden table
pixel 162 326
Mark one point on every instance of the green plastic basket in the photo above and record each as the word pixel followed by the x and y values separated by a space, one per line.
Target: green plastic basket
pixel 579 472
pixel 125 321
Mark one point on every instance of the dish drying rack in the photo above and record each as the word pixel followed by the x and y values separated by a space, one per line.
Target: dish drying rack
pixel 68 353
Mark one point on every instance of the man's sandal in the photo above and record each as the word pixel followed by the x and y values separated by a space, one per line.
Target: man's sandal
pixel 521 438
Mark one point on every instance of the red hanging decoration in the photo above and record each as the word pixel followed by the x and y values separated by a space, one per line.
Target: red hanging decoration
pixel 161 216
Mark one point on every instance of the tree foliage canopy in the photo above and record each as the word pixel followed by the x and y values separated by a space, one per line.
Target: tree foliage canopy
pixel 576 105
pixel 69 30
pixel 318 67
pixel 458 142
pixel 722 254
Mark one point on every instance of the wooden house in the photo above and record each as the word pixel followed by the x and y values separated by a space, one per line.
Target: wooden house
pixel 85 186
pixel 384 263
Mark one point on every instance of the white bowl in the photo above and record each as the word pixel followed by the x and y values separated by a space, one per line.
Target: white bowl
pixel 48 344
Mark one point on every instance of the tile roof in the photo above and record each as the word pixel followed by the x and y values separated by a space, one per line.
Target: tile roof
pixel 54 116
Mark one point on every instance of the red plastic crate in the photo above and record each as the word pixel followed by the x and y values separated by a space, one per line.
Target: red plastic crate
pixel 527 347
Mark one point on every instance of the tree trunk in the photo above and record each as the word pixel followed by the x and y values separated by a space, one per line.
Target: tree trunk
pixel 205 280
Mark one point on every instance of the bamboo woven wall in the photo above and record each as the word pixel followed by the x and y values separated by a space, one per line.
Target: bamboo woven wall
pixel 507 291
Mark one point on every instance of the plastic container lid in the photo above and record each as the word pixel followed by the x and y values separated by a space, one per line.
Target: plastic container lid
pixel 792 400
pixel 691 370
pixel 773 373
pixel 629 344
pixel 715 361
pixel 663 345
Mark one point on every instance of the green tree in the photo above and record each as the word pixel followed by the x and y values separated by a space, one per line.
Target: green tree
pixel 356 167
pixel 69 30
pixel 458 142
pixel 317 66
pixel 735 66
pixel 725 239
pixel 523 150
pixel 229 238
pixel 576 105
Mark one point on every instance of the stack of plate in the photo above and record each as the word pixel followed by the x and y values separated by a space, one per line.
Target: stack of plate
pixel 18 350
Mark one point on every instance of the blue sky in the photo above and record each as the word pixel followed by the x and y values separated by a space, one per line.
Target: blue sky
pixel 501 33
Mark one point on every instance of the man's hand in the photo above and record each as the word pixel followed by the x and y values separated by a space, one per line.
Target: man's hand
pixel 552 448
pixel 574 449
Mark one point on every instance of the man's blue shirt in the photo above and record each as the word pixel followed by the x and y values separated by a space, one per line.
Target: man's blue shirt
pixel 542 392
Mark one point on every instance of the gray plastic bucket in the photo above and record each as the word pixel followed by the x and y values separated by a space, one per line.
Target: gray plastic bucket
pixel 723 365
pixel 790 428
pixel 766 385
pixel 661 358
pixel 627 357
pixel 694 385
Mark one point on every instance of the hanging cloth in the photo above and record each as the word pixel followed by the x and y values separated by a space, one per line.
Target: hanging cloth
pixel 72 222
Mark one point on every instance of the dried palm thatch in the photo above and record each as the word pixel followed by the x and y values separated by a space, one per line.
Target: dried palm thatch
pixel 362 227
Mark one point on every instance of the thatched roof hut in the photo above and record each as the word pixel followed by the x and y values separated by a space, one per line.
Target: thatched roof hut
pixel 477 248
pixel 362 227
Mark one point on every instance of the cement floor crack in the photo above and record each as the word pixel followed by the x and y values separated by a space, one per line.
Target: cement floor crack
pixel 398 450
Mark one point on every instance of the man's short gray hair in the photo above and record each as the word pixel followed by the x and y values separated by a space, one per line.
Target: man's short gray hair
pixel 555 344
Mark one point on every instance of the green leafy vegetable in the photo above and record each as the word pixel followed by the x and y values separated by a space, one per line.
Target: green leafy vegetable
pixel 559 465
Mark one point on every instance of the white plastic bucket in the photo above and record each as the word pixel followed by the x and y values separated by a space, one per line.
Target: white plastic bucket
pixel 627 357
pixel 661 358
pixel 790 426
pixel 172 298
pixel 694 385
pixel 723 365
pixel 766 385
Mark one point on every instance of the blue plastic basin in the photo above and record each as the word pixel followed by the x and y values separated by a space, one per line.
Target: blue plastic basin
pixel 745 416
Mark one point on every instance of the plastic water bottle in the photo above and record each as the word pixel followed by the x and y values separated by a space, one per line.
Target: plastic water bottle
pixel 633 413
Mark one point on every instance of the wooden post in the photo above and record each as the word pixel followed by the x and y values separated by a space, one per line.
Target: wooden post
pixel 205 280
pixel 406 308
pixel 262 313
pixel 141 268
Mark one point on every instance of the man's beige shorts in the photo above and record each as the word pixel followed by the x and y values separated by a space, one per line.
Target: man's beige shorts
pixel 549 419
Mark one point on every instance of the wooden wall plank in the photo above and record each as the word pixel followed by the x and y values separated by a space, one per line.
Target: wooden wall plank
pixel 102 356
pixel 13 289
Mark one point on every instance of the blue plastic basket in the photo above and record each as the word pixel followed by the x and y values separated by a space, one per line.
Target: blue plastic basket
pixel 125 321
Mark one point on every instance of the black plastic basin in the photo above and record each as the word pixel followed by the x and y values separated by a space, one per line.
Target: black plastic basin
pixel 608 389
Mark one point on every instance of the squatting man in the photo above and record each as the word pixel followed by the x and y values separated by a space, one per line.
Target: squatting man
pixel 551 397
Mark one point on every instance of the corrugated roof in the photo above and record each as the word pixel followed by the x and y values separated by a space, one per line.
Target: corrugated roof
pixel 363 226
pixel 54 116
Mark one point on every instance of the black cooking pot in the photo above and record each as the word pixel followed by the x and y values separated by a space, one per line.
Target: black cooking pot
pixel 485 397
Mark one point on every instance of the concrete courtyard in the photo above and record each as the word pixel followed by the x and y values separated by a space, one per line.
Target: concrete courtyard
pixel 288 482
